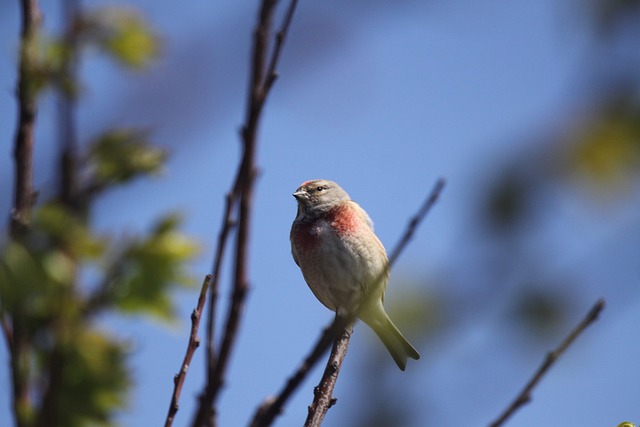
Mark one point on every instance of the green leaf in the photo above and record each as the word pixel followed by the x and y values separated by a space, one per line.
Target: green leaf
pixel 92 378
pixel 149 268
pixel 119 156
pixel 605 148
pixel 59 267
pixel 47 63
pixel 36 286
pixel 123 34
pixel 68 231
pixel 21 277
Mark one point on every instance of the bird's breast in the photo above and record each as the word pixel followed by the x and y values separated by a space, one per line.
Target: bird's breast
pixel 305 236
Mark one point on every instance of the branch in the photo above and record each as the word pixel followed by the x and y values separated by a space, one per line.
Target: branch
pixel 525 395
pixel 281 35
pixel 416 220
pixel 68 184
pixel 67 195
pixel 263 75
pixel 194 342
pixel 23 200
pixel 24 194
pixel 323 399
pixel 227 225
pixel 272 407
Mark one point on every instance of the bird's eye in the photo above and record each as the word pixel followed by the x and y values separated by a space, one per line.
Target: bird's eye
pixel 320 188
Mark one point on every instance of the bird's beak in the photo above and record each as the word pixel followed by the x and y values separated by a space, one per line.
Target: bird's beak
pixel 300 195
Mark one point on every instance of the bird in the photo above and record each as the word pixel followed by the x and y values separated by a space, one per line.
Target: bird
pixel 343 262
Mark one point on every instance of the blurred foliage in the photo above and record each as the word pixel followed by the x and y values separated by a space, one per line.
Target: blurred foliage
pixel 81 372
pixel 605 148
pixel 119 32
pixel 508 201
pixel 542 313
pixel 38 68
pixel 90 374
pixel 417 311
pixel 123 34
pixel 76 373
pixel 56 226
pixel 120 155
pixel 35 271
pixel 148 267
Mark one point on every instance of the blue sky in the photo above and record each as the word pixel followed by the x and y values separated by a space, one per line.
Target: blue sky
pixel 383 98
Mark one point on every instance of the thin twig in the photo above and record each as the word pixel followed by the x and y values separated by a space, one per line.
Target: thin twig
pixel 417 219
pixel 323 394
pixel 227 225
pixel 272 407
pixel 194 342
pixel 263 75
pixel 281 35
pixel 524 396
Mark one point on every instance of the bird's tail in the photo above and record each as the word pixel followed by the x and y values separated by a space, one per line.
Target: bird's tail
pixel 398 346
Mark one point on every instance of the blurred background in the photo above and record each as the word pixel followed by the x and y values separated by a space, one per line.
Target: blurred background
pixel 529 110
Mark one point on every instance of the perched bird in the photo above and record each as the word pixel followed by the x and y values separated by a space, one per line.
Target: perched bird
pixel 343 261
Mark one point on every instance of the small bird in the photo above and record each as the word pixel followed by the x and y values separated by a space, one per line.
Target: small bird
pixel 343 261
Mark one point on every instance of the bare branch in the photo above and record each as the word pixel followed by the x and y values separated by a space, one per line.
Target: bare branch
pixel 227 225
pixel 323 393
pixel 194 342
pixel 272 75
pixel 416 220
pixel 263 74
pixel 272 407
pixel 524 396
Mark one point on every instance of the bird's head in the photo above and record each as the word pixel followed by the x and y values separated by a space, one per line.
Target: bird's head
pixel 319 195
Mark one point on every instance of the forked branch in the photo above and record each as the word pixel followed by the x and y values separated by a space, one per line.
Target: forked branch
pixel 264 62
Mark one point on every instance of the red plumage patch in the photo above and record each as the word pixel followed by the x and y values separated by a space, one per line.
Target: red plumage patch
pixel 343 219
